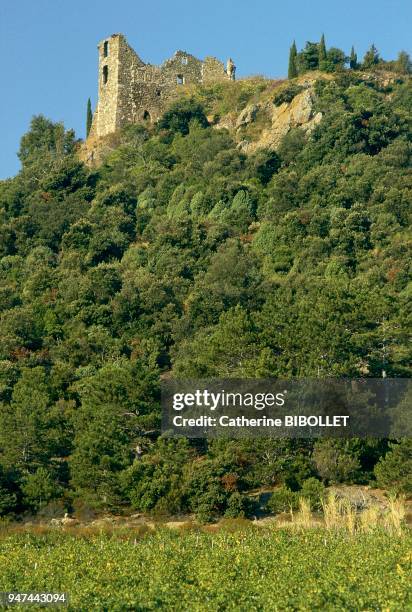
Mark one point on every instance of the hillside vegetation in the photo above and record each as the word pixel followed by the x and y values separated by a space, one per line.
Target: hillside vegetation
pixel 183 254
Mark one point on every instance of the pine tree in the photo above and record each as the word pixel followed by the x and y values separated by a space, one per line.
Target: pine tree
pixel 322 52
pixel 353 60
pixel 292 69
pixel 89 117
pixel 371 57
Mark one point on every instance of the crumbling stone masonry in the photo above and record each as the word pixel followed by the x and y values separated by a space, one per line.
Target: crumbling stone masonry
pixel 131 91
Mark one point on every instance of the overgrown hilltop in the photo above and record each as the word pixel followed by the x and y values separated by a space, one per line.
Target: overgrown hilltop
pixel 145 97
pixel 182 254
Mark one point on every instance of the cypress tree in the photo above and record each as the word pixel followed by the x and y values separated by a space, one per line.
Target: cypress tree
pixel 322 51
pixel 353 60
pixel 89 117
pixel 293 69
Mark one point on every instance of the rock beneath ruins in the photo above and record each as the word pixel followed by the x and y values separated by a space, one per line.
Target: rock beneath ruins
pixel 298 113
pixel 248 115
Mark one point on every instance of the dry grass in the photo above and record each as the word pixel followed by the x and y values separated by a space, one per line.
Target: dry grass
pixel 331 512
pixel 338 514
pixel 349 516
pixel 303 518
pixel 369 519
pixel 341 515
pixel 395 519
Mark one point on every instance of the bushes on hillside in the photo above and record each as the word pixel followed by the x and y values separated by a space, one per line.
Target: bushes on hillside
pixel 180 115
pixel 394 470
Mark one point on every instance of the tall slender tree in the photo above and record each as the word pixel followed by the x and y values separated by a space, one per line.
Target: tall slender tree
pixel 89 117
pixel 353 59
pixel 322 52
pixel 293 69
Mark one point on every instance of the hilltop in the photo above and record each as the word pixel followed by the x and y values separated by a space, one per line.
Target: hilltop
pixel 257 112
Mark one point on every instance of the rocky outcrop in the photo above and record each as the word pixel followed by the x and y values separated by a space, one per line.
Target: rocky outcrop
pixel 299 113
pixel 248 115
pixel 66 521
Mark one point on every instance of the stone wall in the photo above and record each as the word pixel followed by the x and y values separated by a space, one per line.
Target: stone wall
pixel 130 90
pixel 213 71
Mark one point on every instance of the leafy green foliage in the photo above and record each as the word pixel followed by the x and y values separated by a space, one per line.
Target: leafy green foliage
pixel 308 58
pixel 179 116
pixel 333 461
pixel 38 488
pixel 334 61
pixel 283 500
pixel 394 470
pixel 286 94
pixel 371 58
pixel 314 491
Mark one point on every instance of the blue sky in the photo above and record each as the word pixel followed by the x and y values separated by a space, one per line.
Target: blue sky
pixel 49 56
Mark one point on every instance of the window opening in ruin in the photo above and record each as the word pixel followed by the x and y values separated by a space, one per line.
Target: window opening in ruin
pixel 184 61
pixel 146 116
pixel 158 92
pixel 105 74
pixel 106 49
pixel 180 79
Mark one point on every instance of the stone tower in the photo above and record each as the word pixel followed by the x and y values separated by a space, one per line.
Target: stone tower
pixel 130 91
pixel 117 63
pixel 231 69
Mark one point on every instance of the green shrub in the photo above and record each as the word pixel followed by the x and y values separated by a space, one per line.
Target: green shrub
pixel 179 116
pixel 335 460
pixel 314 491
pixel 283 500
pixel 394 471
pixel 39 488
pixel 286 94
pixel 237 506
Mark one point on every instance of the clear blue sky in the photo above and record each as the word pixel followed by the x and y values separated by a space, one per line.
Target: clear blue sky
pixel 49 56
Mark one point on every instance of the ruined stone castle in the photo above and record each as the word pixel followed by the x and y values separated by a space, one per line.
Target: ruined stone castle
pixel 131 91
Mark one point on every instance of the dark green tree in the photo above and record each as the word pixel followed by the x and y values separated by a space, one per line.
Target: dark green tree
pixel 404 64
pixel 28 428
pixel 371 57
pixel 292 68
pixel 334 61
pixel 322 52
pixel 180 115
pixel 89 117
pixel 115 404
pixel 45 141
pixel 394 471
pixel 308 58
pixel 353 59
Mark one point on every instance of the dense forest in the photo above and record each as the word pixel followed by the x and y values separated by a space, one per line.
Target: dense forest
pixel 182 256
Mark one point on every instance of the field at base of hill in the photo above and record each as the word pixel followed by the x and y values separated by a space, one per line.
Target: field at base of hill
pixel 241 568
